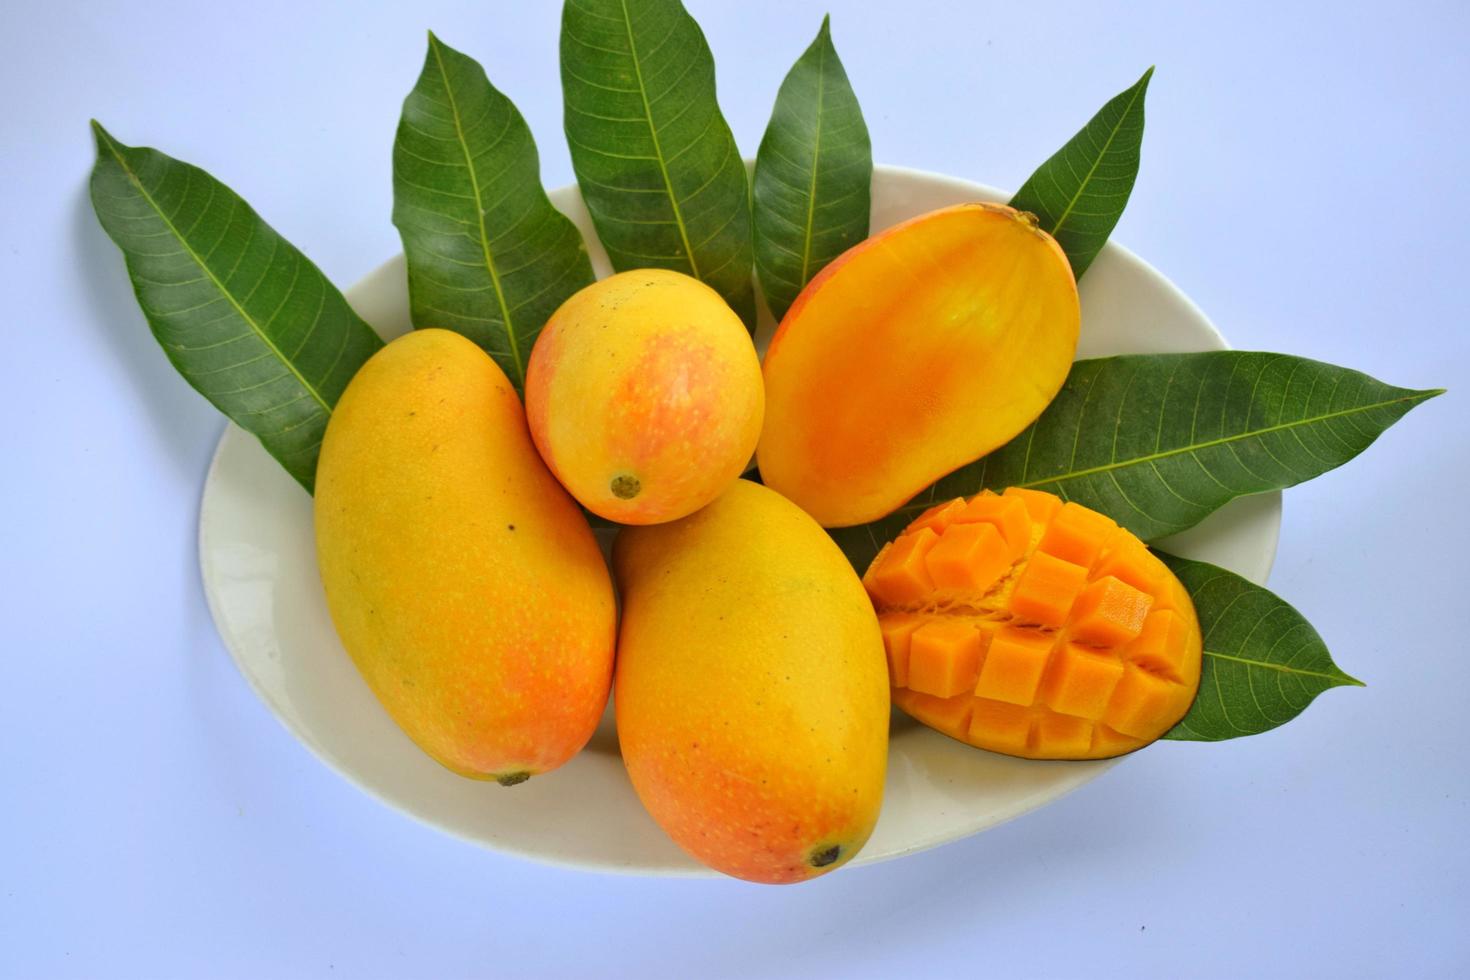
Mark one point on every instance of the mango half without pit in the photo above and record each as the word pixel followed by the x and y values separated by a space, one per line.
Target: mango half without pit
pixel 914 353
pixel 751 695
pixel 463 581
pixel 1039 629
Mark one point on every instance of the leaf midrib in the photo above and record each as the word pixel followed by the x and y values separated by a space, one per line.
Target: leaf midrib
pixel 658 151
pixel 485 250
pixel 1417 396
pixel 1336 679
pixel 198 260
pixel 1097 161
pixel 1223 440
pixel 811 197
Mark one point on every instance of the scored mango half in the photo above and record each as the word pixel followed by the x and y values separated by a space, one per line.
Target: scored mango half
pixel 1036 628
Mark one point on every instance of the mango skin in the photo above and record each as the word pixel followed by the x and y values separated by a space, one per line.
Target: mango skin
pixel 644 396
pixel 751 690
pixel 912 354
pixel 463 581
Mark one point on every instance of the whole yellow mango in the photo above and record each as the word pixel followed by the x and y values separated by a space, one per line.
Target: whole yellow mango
pixel 751 690
pixel 644 396
pixel 463 581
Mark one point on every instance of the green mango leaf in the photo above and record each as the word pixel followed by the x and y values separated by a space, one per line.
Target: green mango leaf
pixel 654 157
pixel 1160 441
pixel 248 320
pixel 813 175
pixel 1080 193
pixel 488 255
pixel 1263 663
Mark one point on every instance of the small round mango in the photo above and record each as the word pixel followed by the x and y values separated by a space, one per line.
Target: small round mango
pixel 1036 628
pixel 644 396
pixel 751 695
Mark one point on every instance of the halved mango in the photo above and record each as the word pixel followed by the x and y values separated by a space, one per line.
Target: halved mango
pixel 912 354
pixel 1078 645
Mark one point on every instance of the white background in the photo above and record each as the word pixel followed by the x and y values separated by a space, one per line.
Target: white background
pixel 1304 180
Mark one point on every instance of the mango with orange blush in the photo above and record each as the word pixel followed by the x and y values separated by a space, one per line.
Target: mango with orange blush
pixel 751 693
pixel 644 396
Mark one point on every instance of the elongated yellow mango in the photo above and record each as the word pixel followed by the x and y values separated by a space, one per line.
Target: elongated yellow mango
pixel 752 696
pixel 463 581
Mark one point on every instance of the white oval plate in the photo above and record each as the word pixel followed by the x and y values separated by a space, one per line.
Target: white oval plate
pixel 257 555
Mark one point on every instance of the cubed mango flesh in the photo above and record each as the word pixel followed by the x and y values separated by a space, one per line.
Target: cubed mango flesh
pixel 1077 534
pixel 948 715
pixel 900 573
pixel 1007 514
pixel 940 516
pixel 1038 503
pixel 944 657
pixel 1027 626
pixel 1109 613
pixel 898 630
pixel 1162 645
pixel 1014 664
pixel 968 558
pixel 1046 589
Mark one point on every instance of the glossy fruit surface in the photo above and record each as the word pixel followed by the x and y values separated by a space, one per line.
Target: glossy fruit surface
pixel 462 579
pixel 644 396
pixel 752 697
pixel 912 354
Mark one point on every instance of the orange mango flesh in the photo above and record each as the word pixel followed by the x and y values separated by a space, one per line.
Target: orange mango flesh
pixel 1027 626
pixel 911 354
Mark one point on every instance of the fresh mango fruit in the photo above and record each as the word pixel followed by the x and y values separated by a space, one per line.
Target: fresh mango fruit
pixel 463 581
pixel 751 693
pixel 644 396
pixel 1037 628
pixel 912 354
